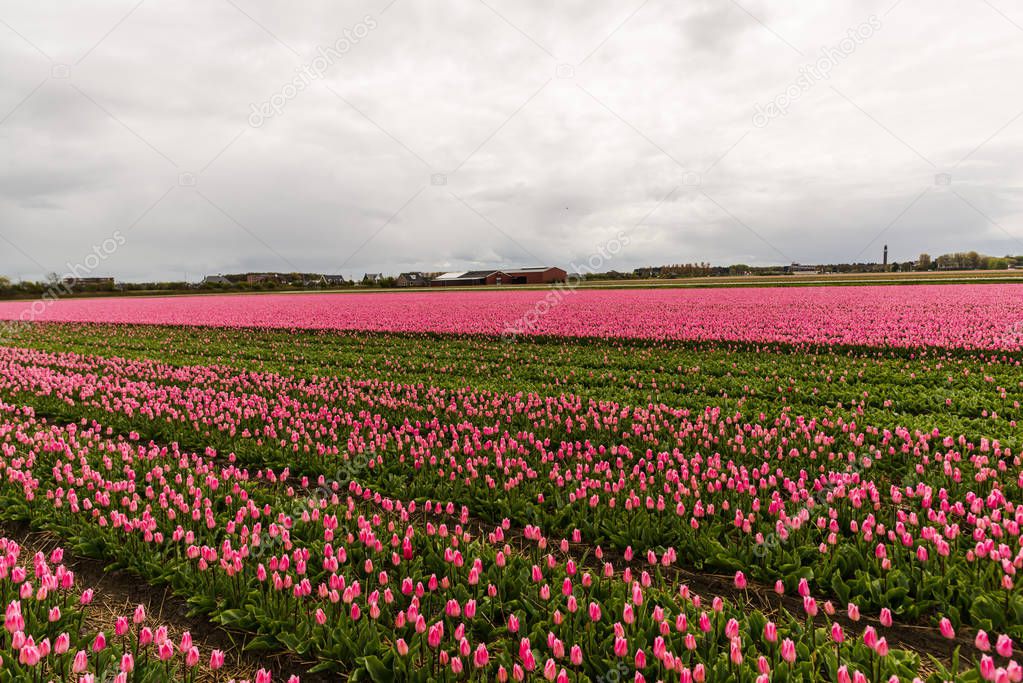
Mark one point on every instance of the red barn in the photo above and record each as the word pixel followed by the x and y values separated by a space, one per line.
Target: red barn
pixel 537 275
pixel 471 278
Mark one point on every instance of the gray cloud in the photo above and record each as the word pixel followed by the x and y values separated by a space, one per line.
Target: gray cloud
pixel 650 132
pixel 716 26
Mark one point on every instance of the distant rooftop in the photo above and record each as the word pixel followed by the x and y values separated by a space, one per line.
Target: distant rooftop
pixel 479 273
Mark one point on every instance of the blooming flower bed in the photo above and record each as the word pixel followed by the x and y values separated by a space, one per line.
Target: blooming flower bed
pixel 951 316
pixel 408 507
pixel 372 584
pixel 44 638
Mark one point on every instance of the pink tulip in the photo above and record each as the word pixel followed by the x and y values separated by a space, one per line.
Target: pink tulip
pixel 870 637
pixel 29 655
pixel 436 632
pixel 945 626
pixel 1003 646
pixel 735 652
pixel 732 628
pixel 788 650
pixel 987 668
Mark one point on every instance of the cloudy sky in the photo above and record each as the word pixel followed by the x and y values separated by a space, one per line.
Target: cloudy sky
pixel 185 138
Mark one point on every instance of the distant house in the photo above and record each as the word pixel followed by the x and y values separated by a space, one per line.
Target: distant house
pixel 647 272
pixel 260 278
pixel 412 279
pixel 372 278
pixel 70 282
pixel 216 280
pixel 537 275
pixel 443 278
pixel 472 278
pixel 321 280
pixel 335 280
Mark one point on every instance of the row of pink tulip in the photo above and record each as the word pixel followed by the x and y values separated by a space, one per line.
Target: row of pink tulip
pixel 45 636
pixel 952 316
pixel 367 582
pixel 624 475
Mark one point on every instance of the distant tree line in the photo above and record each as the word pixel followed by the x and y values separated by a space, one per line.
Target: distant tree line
pixel 57 287
pixel 967 260
pixel 53 285
pixel 970 260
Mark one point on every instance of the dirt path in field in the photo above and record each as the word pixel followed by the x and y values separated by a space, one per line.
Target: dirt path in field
pixel 117 594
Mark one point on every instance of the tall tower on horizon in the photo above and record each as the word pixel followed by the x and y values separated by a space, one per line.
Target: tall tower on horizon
pixel 886 254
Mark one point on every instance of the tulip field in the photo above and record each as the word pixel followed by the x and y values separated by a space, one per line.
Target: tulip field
pixel 987 316
pixel 814 484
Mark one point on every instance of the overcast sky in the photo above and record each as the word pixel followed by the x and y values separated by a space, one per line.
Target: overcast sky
pixel 206 136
